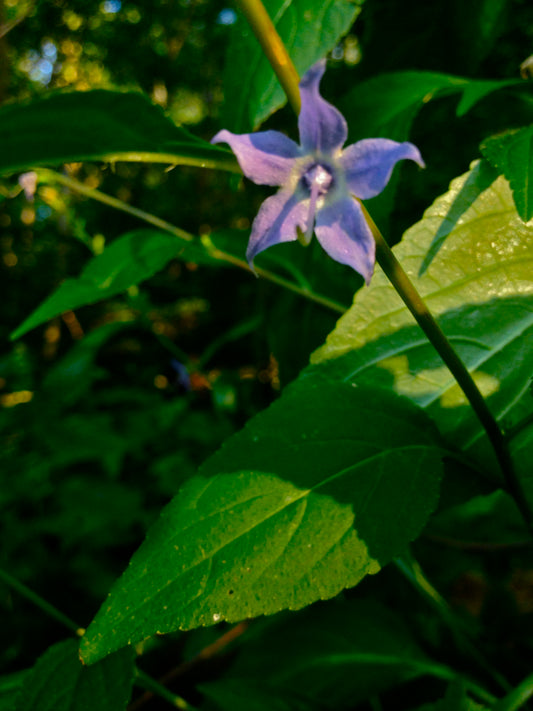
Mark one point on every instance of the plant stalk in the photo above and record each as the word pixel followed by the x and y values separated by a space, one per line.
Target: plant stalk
pixel 51 176
pixel 273 47
pixel 517 697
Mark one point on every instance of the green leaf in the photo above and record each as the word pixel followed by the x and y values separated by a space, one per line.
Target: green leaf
pixel 522 451
pixel 138 255
pixel 299 505
pixel 479 287
pixel 73 376
pixel 129 260
pixel 309 29
pixel 97 125
pixel 455 699
pixel 330 656
pixel 480 179
pixel 386 105
pixel 60 682
pixel 512 154
pixel 11 686
pixel 477 24
pixel 484 519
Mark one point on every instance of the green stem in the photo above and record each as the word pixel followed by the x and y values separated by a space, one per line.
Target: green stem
pixel 273 47
pixel 433 332
pixel 224 162
pixel 518 697
pixel 38 601
pixel 144 680
pixel 412 571
pixel 51 176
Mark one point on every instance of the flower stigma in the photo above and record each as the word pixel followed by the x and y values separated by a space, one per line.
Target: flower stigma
pixel 317 179
pixel 318 176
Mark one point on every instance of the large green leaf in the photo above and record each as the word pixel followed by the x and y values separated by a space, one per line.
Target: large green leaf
pixel 308 28
pixel 97 125
pixel 60 682
pixel 330 656
pixel 321 489
pixel 479 286
pixel 512 154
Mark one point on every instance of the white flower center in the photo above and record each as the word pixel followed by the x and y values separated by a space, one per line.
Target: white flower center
pixel 318 177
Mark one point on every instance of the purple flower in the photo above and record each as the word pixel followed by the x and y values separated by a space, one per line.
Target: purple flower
pixel 318 180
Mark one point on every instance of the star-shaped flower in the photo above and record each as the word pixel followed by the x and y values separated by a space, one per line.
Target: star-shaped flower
pixel 318 180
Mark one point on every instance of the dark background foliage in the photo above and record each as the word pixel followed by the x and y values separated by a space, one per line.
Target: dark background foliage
pixel 96 431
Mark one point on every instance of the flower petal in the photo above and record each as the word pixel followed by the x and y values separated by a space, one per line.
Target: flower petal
pixel 266 157
pixel 368 164
pixel 276 222
pixel 343 232
pixel 322 127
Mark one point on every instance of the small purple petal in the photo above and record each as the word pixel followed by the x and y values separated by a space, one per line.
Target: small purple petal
pixel 368 164
pixel 343 232
pixel 276 222
pixel 266 157
pixel 322 127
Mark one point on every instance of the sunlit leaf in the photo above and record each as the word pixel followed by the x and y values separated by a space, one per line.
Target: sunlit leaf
pixel 512 154
pixel 481 177
pixel 321 489
pixel 479 286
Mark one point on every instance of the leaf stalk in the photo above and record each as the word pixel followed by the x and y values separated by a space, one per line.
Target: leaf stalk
pixel 51 176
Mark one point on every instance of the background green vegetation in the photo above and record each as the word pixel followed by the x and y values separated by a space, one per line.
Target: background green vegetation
pixel 96 431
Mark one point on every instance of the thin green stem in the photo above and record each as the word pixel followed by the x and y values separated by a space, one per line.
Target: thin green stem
pixel 142 678
pixel 51 176
pixel 228 163
pixel 38 601
pixel 416 305
pixel 146 682
pixel 273 47
pixel 518 697
pixel 415 575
